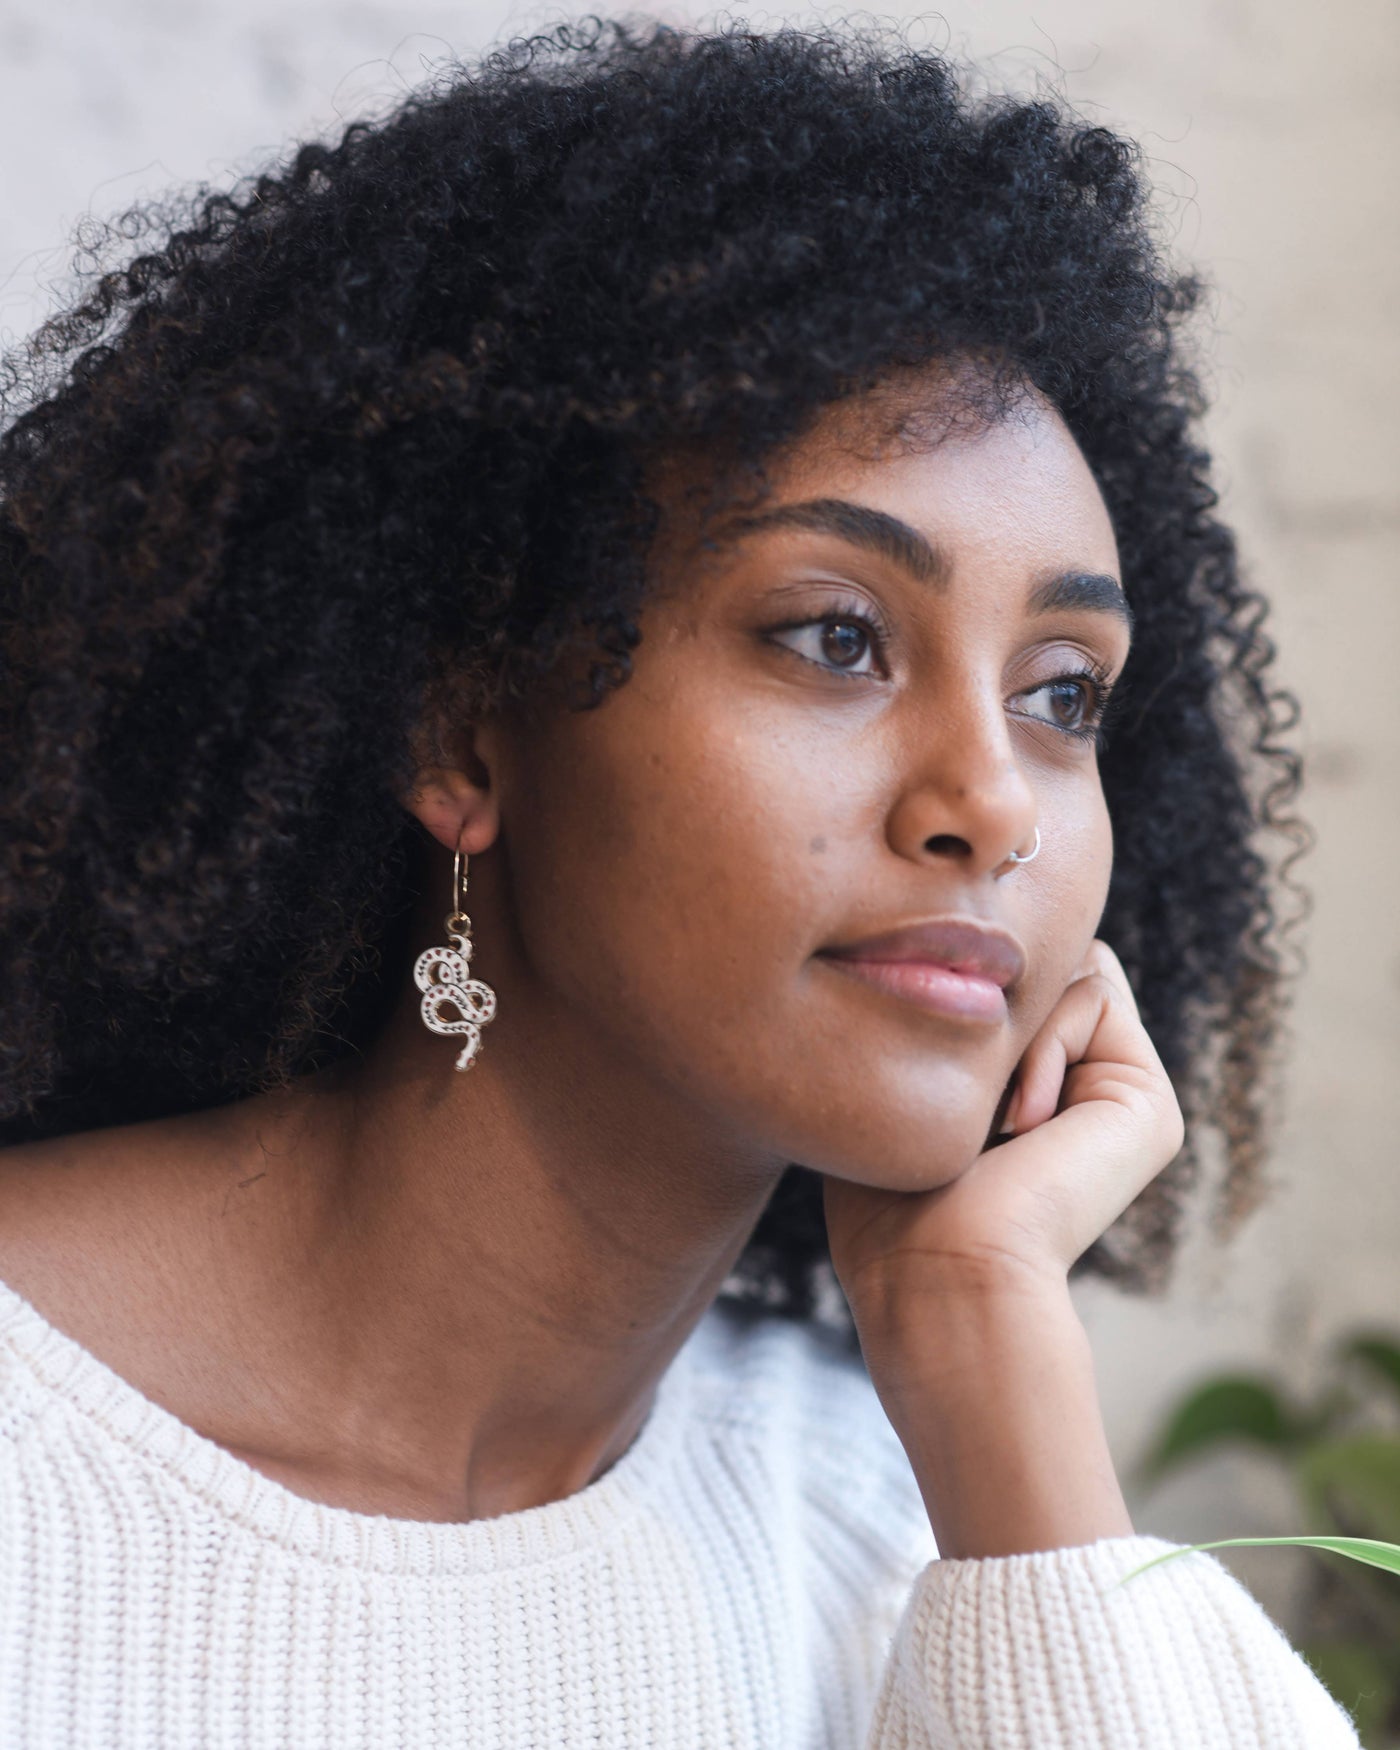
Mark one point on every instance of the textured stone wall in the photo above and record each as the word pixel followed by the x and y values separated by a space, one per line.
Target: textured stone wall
pixel 1273 133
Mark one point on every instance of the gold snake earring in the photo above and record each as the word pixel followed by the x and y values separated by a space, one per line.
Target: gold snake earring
pixel 444 976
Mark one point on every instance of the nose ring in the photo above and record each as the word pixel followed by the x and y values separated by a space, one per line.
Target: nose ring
pixel 1030 855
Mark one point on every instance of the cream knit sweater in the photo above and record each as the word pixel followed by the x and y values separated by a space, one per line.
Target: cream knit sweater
pixel 756 1571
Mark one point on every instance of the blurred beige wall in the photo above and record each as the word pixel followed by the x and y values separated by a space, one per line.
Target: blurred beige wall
pixel 1274 134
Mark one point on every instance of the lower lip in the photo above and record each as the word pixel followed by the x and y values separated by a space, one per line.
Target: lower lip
pixel 938 989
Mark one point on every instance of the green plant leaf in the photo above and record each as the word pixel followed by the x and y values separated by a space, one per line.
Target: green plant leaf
pixel 1360 1549
pixel 1334 1407
pixel 1229 1407
pixel 1357 1676
pixel 1377 1352
pixel 1353 1483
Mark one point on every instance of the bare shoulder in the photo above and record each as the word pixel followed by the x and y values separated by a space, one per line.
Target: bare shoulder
pixel 113 1236
pixel 79 1213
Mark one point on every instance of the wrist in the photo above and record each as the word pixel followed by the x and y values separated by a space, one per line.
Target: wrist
pixel 994 1397
pixel 934 1334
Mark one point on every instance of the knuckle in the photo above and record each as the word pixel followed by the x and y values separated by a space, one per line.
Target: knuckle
pixel 1095 988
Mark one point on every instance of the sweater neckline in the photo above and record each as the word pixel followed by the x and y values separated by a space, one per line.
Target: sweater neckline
pixel 229 1489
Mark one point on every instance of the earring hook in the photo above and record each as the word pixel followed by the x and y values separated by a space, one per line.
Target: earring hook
pixel 458 923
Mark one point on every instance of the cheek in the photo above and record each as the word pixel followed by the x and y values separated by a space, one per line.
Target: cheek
pixel 670 867
pixel 1065 902
pixel 677 866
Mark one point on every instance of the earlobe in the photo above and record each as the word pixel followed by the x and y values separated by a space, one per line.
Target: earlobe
pixel 455 791
pixel 458 804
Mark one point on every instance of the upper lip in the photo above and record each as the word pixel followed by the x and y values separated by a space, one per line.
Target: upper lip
pixel 962 945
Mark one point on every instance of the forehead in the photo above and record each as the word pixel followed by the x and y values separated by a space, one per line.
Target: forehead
pixel 986 482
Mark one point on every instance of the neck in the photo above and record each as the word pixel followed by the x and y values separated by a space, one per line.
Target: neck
pixel 468 1286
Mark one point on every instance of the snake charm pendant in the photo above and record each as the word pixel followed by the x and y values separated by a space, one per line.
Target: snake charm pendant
pixel 444 976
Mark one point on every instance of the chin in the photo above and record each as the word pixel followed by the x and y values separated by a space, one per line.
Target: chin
pixel 910 1179
pixel 905 1152
pixel 889 1116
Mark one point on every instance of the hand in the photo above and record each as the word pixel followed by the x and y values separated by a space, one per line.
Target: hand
pixel 1095 1119
pixel 965 1288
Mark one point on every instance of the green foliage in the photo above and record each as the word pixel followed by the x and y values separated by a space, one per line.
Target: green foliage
pixel 1346 1473
pixel 1376 1352
pixel 1353 1480
pixel 1231 1407
pixel 1361 1679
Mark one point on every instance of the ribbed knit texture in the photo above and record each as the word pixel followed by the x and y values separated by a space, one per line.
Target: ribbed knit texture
pixel 755 1573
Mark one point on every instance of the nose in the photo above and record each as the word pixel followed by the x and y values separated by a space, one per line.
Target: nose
pixel 965 799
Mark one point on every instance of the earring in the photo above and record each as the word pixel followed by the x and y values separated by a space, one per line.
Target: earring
pixel 444 976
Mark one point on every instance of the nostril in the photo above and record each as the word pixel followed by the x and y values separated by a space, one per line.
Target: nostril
pixel 947 844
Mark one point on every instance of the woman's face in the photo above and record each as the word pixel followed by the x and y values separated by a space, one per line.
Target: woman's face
pixel 841 722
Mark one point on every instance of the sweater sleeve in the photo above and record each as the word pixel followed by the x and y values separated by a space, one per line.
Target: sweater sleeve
pixel 1035 1650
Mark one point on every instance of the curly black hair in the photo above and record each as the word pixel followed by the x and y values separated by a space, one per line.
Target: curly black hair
pixel 375 429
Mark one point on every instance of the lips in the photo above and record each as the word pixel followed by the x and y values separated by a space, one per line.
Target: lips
pixel 949 966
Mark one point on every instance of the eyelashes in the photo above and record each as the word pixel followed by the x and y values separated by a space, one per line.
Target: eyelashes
pixel 853 614
pixel 1092 685
pixel 849 638
pixel 829 644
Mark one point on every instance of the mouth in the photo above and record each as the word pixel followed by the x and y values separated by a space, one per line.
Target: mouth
pixel 948 966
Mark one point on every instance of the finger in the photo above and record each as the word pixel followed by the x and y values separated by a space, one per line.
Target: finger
pixel 1061 1041
pixel 1099 958
pixel 1095 1021
pixel 1076 1175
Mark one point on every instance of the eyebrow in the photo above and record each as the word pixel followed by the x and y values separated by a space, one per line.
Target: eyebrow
pixel 896 541
pixel 1082 589
pixel 859 524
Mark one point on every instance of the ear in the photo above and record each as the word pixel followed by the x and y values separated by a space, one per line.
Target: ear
pixel 459 803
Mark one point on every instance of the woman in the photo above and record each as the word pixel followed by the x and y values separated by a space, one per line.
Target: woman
pixel 734 501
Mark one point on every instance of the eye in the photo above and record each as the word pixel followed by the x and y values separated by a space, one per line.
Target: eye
pixel 1072 703
pixel 845 643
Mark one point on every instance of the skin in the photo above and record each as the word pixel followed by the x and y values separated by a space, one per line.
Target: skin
pixel 404 1290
